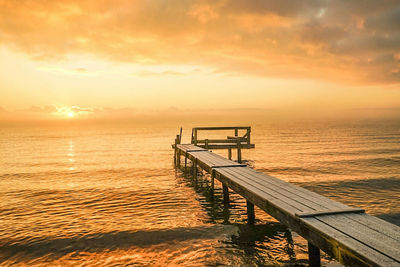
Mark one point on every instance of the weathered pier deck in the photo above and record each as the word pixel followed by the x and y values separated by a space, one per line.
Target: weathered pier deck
pixel 348 234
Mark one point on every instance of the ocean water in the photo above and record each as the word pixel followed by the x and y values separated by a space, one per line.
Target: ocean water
pixel 110 195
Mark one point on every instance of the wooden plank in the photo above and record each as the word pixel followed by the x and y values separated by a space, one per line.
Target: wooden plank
pixel 379 225
pixel 329 212
pixel 222 141
pixel 222 128
pixel 211 158
pixel 341 246
pixel 217 160
pixel 341 250
pixel 296 190
pixel 204 159
pixel 278 192
pixel 203 156
pixel 363 234
pixel 264 191
pixel 227 146
pixel 256 195
pixel 186 147
pixel 241 138
pixel 228 166
pixel 352 210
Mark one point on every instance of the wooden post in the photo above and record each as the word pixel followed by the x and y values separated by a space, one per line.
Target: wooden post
pixel 195 137
pixel 175 149
pixel 236 132
pixel 229 153
pixel 225 191
pixel 185 162
pixel 180 136
pixel 206 144
pixel 250 213
pixel 178 153
pixel 195 169
pixel 314 255
pixel 212 181
pixel 248 136
pixel 239 151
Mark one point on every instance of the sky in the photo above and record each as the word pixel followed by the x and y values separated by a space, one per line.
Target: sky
pixel 88 58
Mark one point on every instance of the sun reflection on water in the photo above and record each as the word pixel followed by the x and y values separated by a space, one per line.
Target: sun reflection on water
pixel 71 155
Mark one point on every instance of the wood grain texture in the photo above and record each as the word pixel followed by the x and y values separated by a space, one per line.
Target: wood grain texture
pixel 352 238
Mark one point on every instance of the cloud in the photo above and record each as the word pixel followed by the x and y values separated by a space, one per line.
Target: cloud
pixel 160 73
pixel 317 39
pixel 64 71
pixel 45 109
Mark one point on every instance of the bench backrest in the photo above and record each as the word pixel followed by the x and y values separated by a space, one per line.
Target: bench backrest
pixel 233 139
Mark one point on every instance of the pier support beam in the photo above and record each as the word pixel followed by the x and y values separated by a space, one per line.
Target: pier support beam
pixel 195 169
pixel 212 181
pixel 229 153
pixel 314 255
pixel 185 162
pixel 225 191
pixel 177 152
pixel 250 213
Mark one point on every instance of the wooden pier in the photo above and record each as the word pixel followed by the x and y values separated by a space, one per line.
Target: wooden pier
pixel 348 234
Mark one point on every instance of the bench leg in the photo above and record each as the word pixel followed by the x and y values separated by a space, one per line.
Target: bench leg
pixel 250 213
pixel 314 255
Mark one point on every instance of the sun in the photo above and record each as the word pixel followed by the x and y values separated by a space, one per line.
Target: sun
pixel 70 114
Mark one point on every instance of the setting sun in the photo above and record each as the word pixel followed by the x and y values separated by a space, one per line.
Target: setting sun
pixel 70 114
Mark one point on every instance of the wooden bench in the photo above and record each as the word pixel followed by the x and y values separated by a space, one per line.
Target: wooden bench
pixel 228 143
pixel 348 234
pixel 231 142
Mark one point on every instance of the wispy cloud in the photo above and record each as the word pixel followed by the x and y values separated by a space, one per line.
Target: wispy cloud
pixel 351 41
pixel 63 71
pixel 161 73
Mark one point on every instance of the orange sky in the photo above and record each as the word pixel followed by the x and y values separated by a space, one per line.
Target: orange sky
pixel 93 56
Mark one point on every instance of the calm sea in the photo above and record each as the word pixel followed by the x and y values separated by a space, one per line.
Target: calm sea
pixel 110 196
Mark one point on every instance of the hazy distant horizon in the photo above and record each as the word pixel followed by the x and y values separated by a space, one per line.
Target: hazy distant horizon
pixel 51 115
